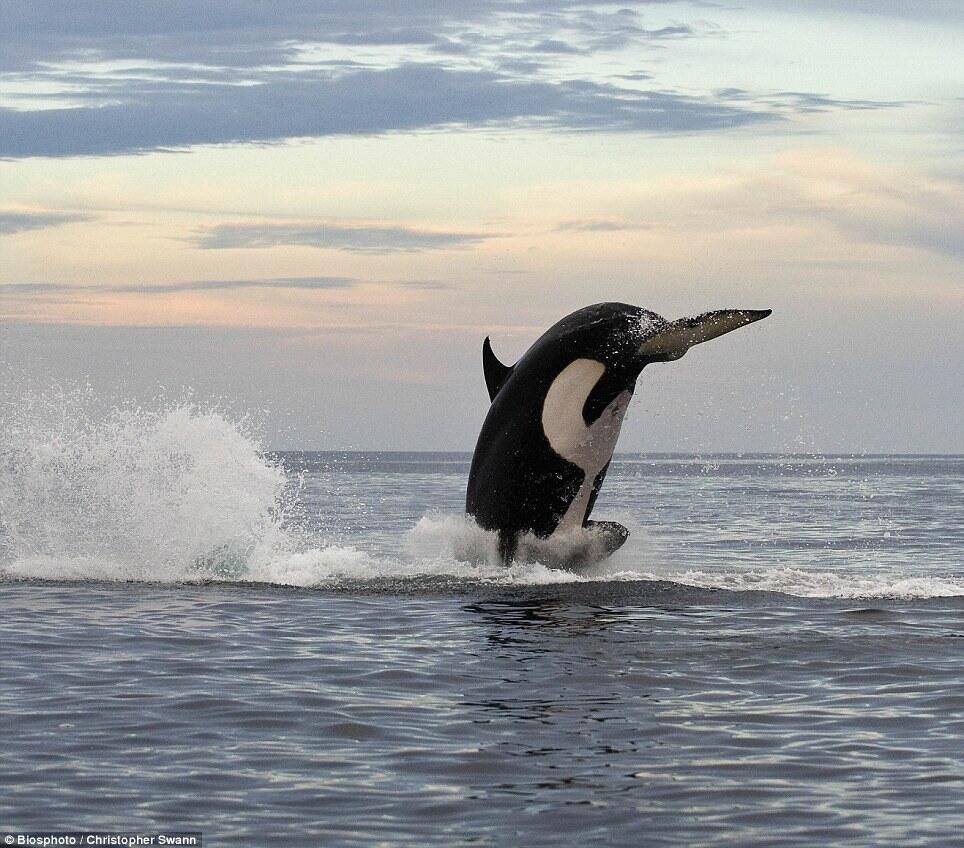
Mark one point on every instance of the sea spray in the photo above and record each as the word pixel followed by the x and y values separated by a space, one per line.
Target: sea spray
pixel 178 491
pixel 181 491
pixel 175 492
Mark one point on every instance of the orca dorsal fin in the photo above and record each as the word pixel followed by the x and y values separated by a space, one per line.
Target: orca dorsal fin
pixel 495 372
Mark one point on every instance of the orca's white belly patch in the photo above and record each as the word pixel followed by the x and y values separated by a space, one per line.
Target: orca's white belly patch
pixel 588 447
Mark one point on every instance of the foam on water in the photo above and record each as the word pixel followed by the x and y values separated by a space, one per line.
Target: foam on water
pixel 817 584
pixel 180 492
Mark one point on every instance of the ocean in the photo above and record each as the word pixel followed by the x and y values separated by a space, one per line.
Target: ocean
pixel 317 649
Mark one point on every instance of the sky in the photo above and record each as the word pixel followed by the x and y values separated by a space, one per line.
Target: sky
pixel 312 213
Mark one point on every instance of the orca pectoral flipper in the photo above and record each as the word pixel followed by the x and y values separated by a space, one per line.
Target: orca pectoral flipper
pixel 575 548
pixel 612 534
pixel 680 335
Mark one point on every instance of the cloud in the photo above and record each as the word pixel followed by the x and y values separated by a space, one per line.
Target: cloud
pixel 367 102
pixel 426 285
pixel 400 35
pixel 599 226
pixel 109 78
pixel 554 45
pixel 249 33
pixel 802 102
pixel 874 204
pixel 936 10
pixel 358 239
pixel 28 290
pixel 313 283
pixel 928 219
pixel 18 222
pixel 822 195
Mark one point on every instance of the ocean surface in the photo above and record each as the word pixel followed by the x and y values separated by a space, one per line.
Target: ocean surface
pixel 317 649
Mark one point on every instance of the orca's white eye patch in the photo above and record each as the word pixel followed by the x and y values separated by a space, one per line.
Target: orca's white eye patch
pixel 588 447
pixel 562 420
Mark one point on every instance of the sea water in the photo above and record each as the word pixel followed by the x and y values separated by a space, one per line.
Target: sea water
pixel 318 648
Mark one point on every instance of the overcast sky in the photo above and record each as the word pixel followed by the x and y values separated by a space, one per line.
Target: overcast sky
pixel 316 211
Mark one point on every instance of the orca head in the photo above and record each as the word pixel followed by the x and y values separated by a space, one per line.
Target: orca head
pixel 611 334
pixel 625 339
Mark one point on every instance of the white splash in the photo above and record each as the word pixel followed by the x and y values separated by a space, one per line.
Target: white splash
pixel 183 493
pixel 132 494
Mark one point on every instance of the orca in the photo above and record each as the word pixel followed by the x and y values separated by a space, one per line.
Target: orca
pixel 551 429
